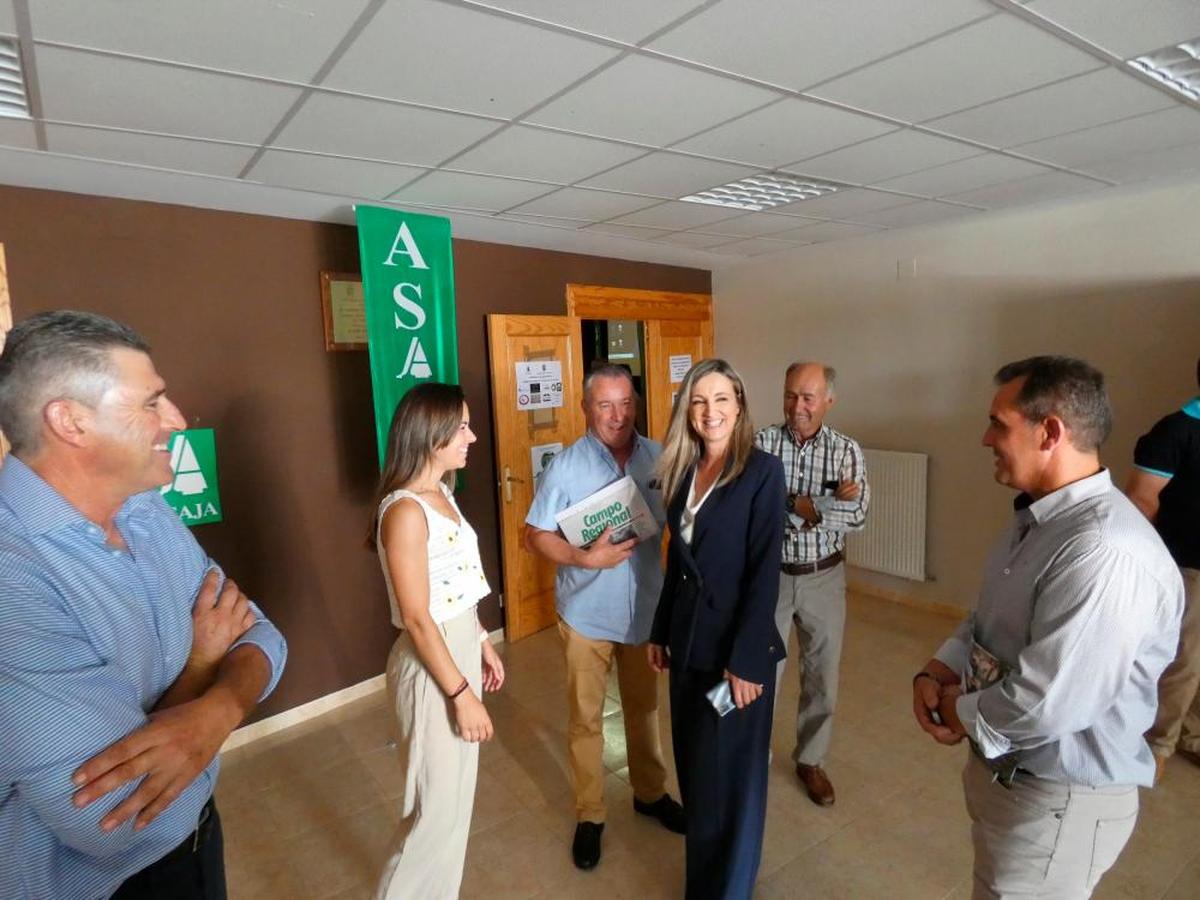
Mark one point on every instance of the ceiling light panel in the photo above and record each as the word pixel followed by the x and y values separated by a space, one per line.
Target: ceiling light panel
pixel 1177 67
pixel 759 192
pixel 13 101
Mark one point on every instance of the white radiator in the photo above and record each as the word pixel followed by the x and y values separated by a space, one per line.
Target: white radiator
pixel 893 540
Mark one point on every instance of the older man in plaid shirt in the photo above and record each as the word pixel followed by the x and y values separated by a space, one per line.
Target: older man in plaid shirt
pixel 827 497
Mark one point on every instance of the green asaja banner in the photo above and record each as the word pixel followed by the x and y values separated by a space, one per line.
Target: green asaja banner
pixel 408 288
pixel 192 491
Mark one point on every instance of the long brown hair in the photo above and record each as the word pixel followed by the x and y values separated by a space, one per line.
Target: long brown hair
pixel 425 421
pixel 682 447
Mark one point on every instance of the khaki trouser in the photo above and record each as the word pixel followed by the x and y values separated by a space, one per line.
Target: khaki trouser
pixel 1041 838
pixel 1178 720
pixel 425 860
pixel 588 664
pixel 817 605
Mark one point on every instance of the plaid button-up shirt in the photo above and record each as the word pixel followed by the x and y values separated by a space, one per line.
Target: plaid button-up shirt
pixel 813 468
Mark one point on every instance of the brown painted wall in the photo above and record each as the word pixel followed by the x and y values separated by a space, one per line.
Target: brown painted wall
pixel 231 304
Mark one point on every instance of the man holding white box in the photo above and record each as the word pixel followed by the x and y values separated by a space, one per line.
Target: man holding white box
pixel 606 594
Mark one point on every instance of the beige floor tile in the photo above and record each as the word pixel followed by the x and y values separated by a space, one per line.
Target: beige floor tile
pixel 308 813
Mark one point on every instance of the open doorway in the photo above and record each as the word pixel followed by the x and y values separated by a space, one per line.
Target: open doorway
pixel 621 342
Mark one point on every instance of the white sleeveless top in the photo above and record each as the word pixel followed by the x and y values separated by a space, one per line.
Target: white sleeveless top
pixel 456 579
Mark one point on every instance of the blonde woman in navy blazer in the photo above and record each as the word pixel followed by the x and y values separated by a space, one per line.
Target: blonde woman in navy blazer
pixel 716 622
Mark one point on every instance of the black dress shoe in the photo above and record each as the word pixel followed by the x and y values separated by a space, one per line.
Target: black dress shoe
pixel 667 811
pixel 585 849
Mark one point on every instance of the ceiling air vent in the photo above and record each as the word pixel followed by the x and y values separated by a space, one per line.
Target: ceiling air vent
pixel 759 192
pixel 13 102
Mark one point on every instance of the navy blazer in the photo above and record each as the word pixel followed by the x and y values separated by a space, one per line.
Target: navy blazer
pixel 717 608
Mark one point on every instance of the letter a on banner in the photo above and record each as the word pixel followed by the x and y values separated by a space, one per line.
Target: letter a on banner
pixel 408 289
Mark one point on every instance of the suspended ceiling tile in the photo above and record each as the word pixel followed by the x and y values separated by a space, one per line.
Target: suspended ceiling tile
pixel 470 191
pixel 149 150
pixel 982 62
pixel 897 153
pixel 281 40
pixel 820 232
pixel 919 213
pixel 331 174
pixel 622 20
pixel 756 246
pixel 1155 131
pixel 843 204
pixel 695 239
pixel 964 175
pixel 1125 30
pixel 645 100
pixel 1080 102
pixel 675 214
pixel 1029 190
pixel 522 152
pixel 549 221
pixel 445 55
pixel 1183 160
pixel 784 132
pixel 669 175
pixel 796 45
pixel 100 90
pixel 637 232
pixel 755 224
pixel 17 133
pixel 580 203
pixel 333 123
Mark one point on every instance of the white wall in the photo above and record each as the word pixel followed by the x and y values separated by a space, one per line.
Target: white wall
pixel 1114 279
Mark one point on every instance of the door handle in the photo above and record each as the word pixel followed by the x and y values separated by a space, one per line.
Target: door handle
pixel 509 478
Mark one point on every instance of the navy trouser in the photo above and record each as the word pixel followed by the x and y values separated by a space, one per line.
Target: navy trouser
pixel 722 765
pixel 195 870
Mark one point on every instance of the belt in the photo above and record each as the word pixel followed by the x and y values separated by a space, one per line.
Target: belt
pixel 198 838
pixel 809 568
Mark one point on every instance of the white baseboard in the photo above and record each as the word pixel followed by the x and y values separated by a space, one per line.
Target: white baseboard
pixel 305 711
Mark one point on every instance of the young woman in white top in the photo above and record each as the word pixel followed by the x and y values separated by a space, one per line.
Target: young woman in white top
pixel 442 661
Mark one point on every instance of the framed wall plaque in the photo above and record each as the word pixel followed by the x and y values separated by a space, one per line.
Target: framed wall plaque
pixel 343 311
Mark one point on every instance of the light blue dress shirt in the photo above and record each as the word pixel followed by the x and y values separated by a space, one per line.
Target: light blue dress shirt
pixel 1080 608
pixel 614 604
pixel 90 638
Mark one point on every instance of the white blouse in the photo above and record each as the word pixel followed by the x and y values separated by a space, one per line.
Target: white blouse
pixel 687 518
pixel 456 579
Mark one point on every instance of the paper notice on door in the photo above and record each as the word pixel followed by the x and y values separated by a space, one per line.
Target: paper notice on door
pixel 540 456
pixel 679 366
pixel 539 384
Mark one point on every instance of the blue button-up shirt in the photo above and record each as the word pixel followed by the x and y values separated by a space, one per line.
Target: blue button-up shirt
pixel 90 638
pixel 614 604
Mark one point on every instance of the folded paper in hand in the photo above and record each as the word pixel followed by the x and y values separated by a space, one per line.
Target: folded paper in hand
pixel 619 504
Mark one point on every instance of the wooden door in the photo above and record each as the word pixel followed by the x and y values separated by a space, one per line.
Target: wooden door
pixel 672 347
pixel 529 579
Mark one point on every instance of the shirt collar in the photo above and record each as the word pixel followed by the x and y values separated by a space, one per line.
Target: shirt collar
pixel 802 443
pixel 598 446
pixel 1192 408
pixel 42 509
pixel 1057 502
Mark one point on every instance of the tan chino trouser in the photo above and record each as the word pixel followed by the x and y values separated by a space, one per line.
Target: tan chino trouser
pixel 588 664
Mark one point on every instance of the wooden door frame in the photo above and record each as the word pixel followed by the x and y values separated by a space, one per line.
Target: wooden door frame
pixel 593 301
pixel 6 323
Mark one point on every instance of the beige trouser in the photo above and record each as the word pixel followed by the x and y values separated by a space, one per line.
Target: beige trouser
pixel 1041 838
pixel 816 603
pixel 588 664
pixel 1178 720
pixel 425 861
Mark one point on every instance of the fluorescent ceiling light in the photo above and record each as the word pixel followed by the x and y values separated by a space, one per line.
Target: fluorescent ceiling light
pixel 759 192
pixel 1177 67
pixel 13 102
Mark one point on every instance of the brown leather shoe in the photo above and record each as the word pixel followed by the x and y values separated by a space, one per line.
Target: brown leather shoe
pixel 816 783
